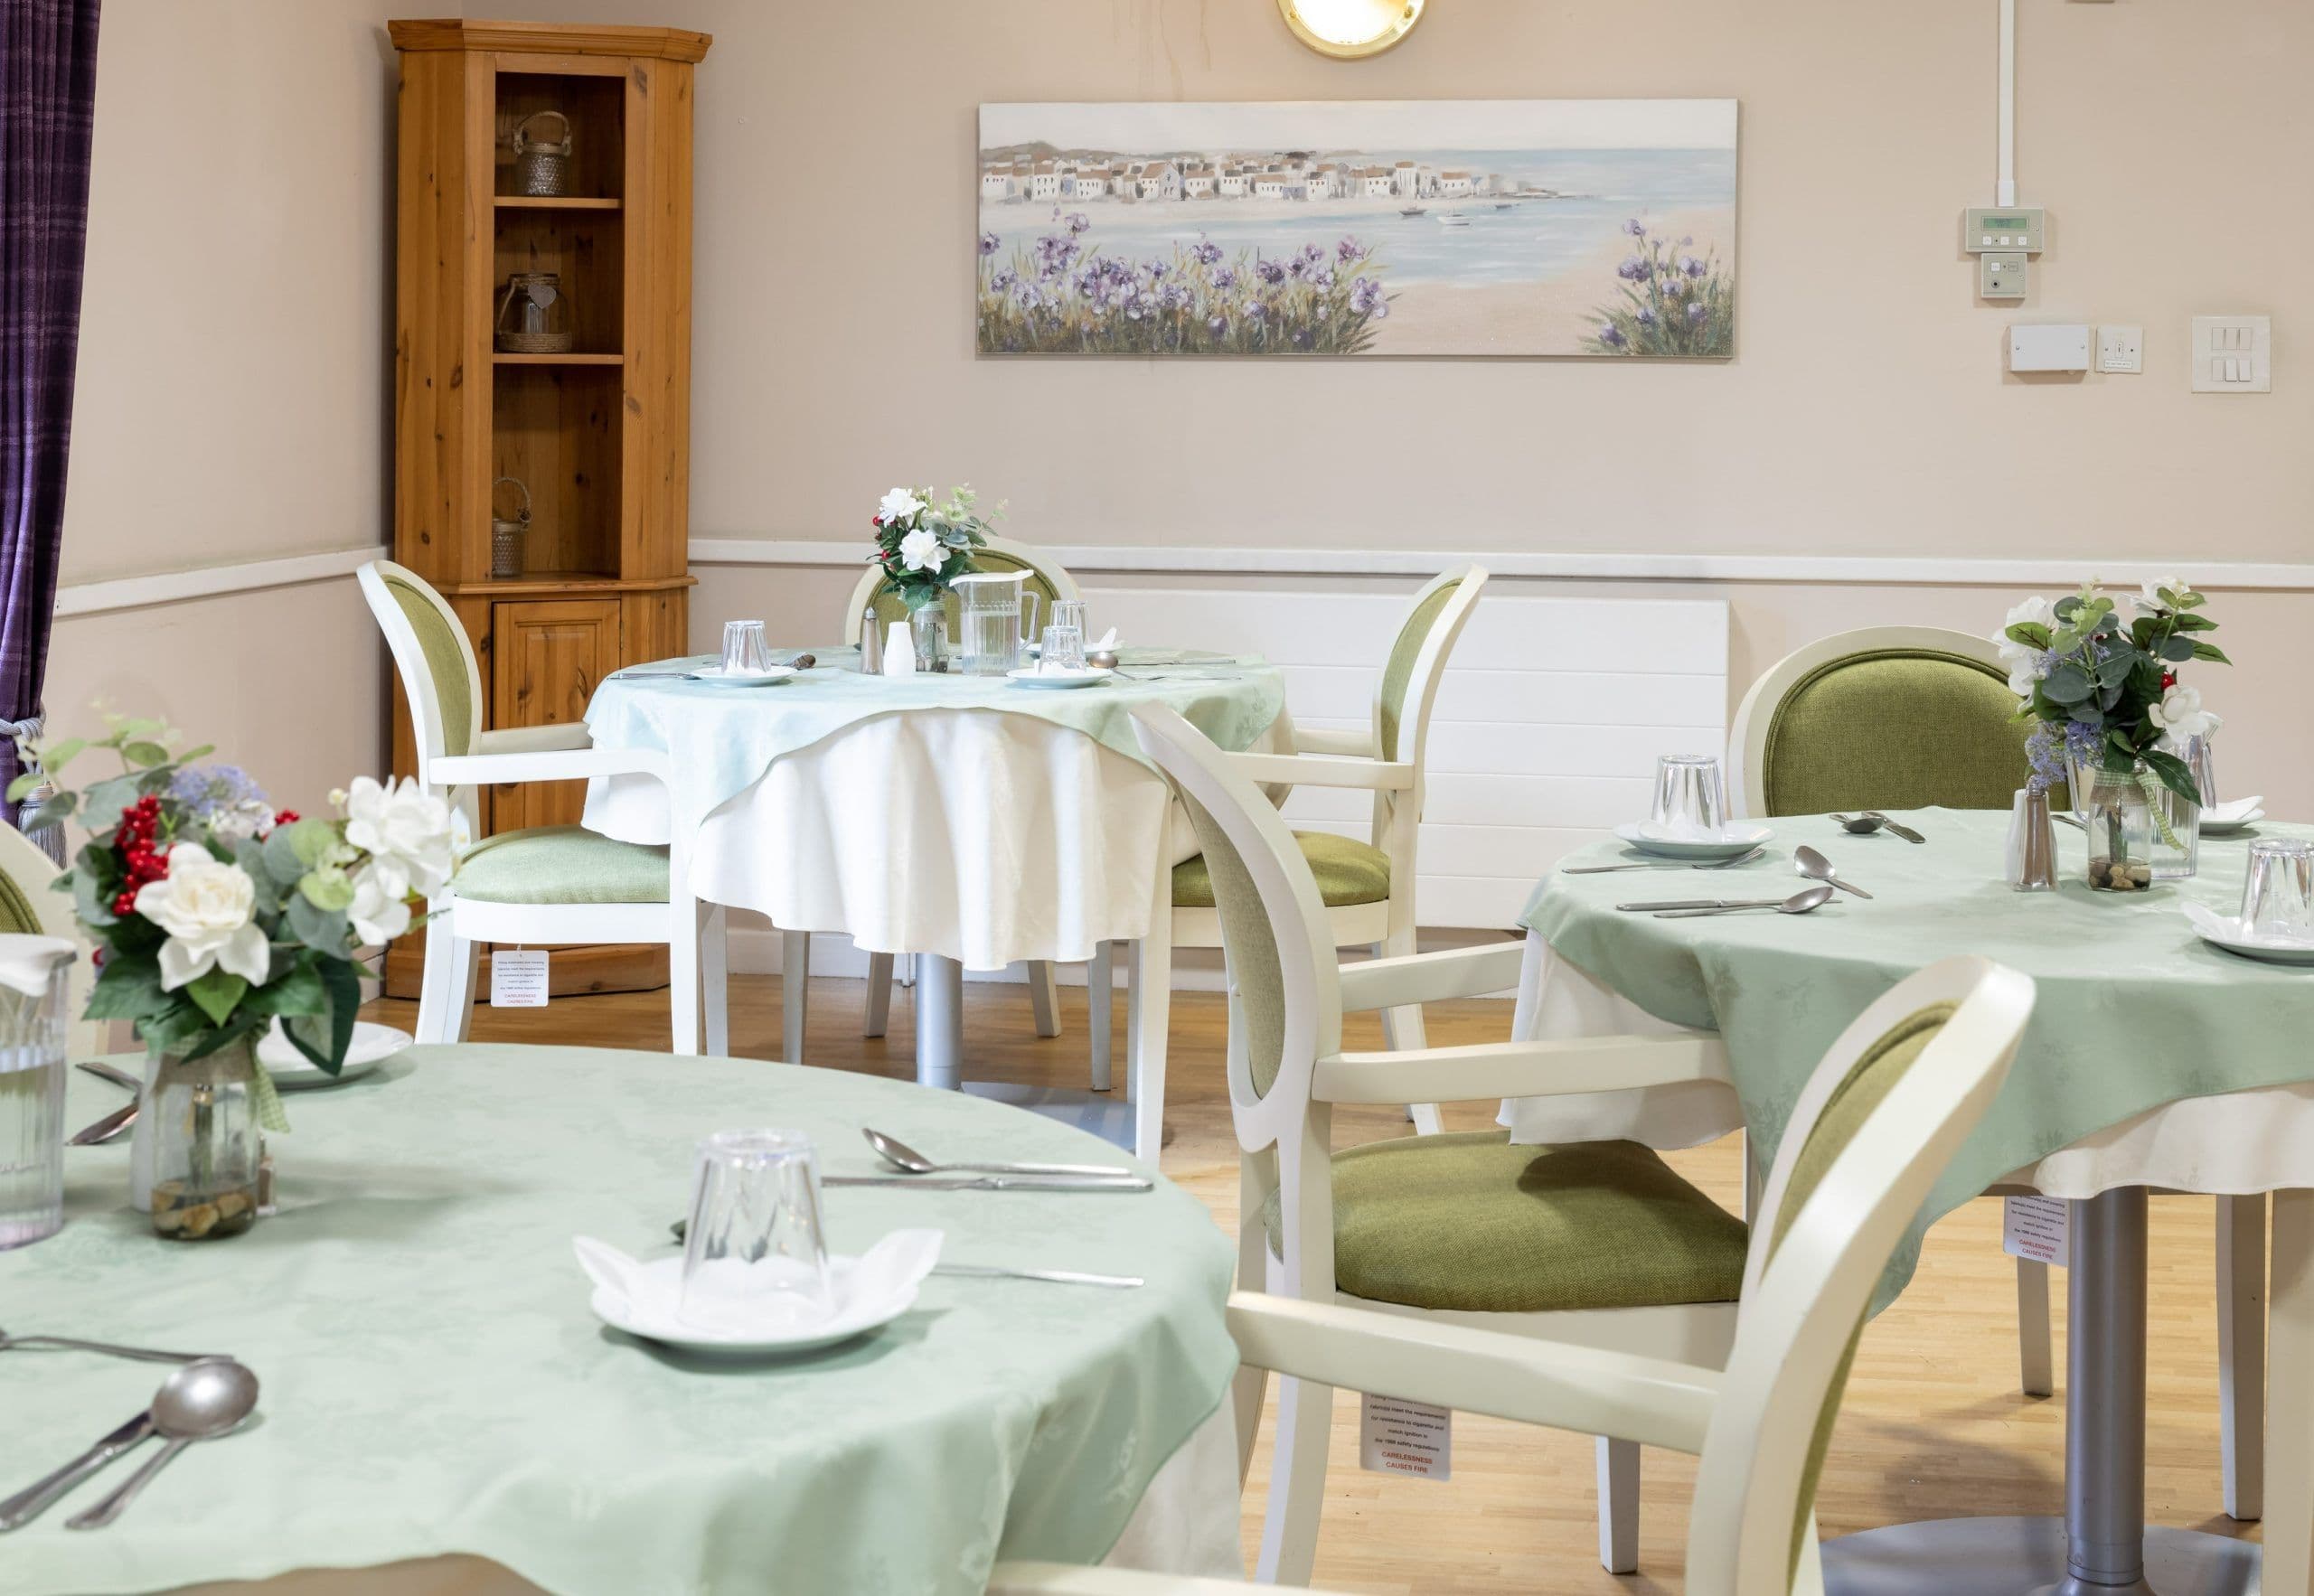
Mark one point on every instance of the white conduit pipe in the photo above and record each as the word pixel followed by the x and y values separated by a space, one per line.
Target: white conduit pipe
pixel 2005 192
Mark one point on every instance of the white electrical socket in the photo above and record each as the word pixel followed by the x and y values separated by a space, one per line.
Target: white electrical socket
pixel 2121 349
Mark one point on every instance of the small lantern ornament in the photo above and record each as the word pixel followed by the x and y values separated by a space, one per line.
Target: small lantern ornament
pixel 534 314
pixel 543 165
pixel 506 536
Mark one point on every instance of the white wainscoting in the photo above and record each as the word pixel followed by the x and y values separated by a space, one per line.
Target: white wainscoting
pixel 1548 720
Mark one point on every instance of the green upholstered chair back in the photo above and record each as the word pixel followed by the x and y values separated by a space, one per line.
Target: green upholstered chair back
pixel 443 655
pixel 1439 611
pixel 19 915
pixel 1045 577
pixel 1894 728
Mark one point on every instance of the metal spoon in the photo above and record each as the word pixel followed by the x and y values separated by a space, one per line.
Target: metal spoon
pixel 141 1353
pixel 1861 825
pixel 1817 868
pixel 1799 902
pixel 198 1402
pixel 902 1156
pixel 1716 864
pixel 119 1077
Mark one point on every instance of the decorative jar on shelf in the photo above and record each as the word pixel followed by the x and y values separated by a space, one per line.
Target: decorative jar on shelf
pixel 2138 830
pixel 534 315
pixel 198 1144
pixel 543 165
pixel 506 536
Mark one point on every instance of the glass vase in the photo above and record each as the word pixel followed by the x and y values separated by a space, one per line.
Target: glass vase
pixel 2139 832
pixel 927 630
pixel 202 1145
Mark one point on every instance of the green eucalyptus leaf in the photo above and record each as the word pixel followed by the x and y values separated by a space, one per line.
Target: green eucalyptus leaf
pixel 20 788
pixel 2211 652
pixel 2115 667
pixel 2068 684
pixel 327 889
pixel 2177 648
pixel 93 900
pixel 216 990
pixel 296 990
pixel 144 755
pixel 2192 623
pixel 311 839
pixel 107 799
pixel 127 989
pixel 321 929
pixel 2065 609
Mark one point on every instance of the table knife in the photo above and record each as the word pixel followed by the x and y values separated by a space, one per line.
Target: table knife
pixel 992 1182
pixel 1686 903
pixel 1906 832
pixel 35 1498
pixel 1059 1277
pixel 106 1129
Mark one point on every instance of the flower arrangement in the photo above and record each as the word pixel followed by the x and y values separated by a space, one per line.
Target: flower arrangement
pixel 2102 692
pixel 1057 298
pixel 1673 301
pixel 922 547
pixel 213 914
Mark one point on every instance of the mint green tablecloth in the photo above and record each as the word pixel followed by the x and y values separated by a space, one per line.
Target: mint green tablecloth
pixel 434 1381
pixel 2134 1010
pixel 722 739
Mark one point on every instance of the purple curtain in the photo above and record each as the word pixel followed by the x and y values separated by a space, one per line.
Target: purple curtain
pixel 47 86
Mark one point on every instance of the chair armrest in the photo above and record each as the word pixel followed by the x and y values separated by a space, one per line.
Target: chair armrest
pixel 532 739
pixel 1431 978
pixel 1306 771
pixel 560 765
pixel 1588 1389
pixel 1520 1069
pixel 1317 739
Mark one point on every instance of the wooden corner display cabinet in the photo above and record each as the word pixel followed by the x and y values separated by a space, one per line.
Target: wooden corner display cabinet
pixel 592 418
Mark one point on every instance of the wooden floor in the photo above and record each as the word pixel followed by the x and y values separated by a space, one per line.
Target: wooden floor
pixel 1934 1426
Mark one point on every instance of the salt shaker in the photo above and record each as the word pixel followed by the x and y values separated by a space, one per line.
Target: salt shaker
pixel 2032 843
pixel 900 651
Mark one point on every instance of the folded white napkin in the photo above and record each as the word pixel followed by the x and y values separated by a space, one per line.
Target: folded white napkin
pixel 2232 811
pixel 1107 639
pixel 2232 928
pixel 26 962
pixel 877 1286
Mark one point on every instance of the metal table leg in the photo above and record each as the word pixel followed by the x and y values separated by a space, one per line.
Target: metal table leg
pixel 2101 1547
pixel 939 1021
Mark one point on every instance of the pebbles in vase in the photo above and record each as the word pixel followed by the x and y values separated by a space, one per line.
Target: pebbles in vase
pixel 184 1214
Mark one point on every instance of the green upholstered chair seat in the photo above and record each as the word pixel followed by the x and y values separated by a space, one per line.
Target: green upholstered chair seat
pixel 1349 872
pixel 562 865
pixel 1895 729
pixel 1468 1221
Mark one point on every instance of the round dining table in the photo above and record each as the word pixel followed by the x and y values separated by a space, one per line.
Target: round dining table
pixel 2153 1061
pixel 439 1400
pixel 971 819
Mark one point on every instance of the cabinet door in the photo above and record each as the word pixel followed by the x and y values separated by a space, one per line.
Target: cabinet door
pixel 547 656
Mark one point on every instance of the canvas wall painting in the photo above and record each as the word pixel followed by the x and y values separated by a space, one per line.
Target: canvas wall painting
pixel 1601 228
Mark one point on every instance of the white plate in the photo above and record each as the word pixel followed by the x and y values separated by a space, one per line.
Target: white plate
pixel 1084 676
pixel 665 1274
pixel 2222 820
pixel 713 676
pixel 292 1071
pixel 2227 931
pixel 1649 837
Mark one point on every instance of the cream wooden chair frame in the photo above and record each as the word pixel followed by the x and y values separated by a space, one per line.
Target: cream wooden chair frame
pixel 796 946
pixel 692 930
pixel 1322 758
pixel 33 871
pixel 1645 1375
pixel 2240 1220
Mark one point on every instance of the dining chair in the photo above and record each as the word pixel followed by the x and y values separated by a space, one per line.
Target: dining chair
pixel 28 908
pixel 1895 717
pixel 540 884
pixel 1367 888
pixel 1586 1287
pixel 1047 578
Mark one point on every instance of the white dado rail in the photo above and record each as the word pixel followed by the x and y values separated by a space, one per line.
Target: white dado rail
pixel 1546 727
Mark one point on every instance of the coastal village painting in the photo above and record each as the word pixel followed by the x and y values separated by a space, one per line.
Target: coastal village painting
pixel 1525 227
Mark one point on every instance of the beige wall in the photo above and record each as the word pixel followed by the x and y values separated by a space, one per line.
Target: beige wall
pixel 835 209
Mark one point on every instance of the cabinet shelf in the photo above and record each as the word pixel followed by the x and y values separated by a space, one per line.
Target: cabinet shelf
pixel 556 202
pixel 501 358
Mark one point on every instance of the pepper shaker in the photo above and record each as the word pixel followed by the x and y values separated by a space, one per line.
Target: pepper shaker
pixel 871 644
pixel 2032 843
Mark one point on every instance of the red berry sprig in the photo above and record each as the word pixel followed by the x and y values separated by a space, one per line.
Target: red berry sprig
pixel 140 862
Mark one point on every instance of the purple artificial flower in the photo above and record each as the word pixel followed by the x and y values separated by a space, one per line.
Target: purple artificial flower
pixel 1635 269
pixel 208 792
pixel 988 243
pixel 1205 251
pixel 1366 298
pixel 1079 223
pixel 1270 272
pixel 1635 227
pixel 1611 336
pixel 1347 250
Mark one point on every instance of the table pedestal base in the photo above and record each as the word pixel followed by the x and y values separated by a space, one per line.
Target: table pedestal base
pixel 2025 1557
pixel 1105 1114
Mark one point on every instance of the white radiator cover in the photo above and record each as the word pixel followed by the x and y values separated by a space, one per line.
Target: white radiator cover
pixel 1548 724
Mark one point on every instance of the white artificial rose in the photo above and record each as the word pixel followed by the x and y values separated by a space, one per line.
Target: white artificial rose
pixel 922 550
pixel 2024 675
pixel 380 911
pixel 206 908
pixel 2180 713
pixel 2148 597
pixel 405 823
pixel 898 505
pixel 2034 610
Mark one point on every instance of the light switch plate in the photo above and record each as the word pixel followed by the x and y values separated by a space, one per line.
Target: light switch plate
pixel 2121 349
pixel 2001 275
pixel 2233 354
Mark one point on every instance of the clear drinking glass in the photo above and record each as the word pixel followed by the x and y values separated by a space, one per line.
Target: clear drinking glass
pixel 753 1255
pixel 1064 649
pixel 1070 612
pixel 2278 890
pixel 32 1112
pixel 1690 795
pixel 745 652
